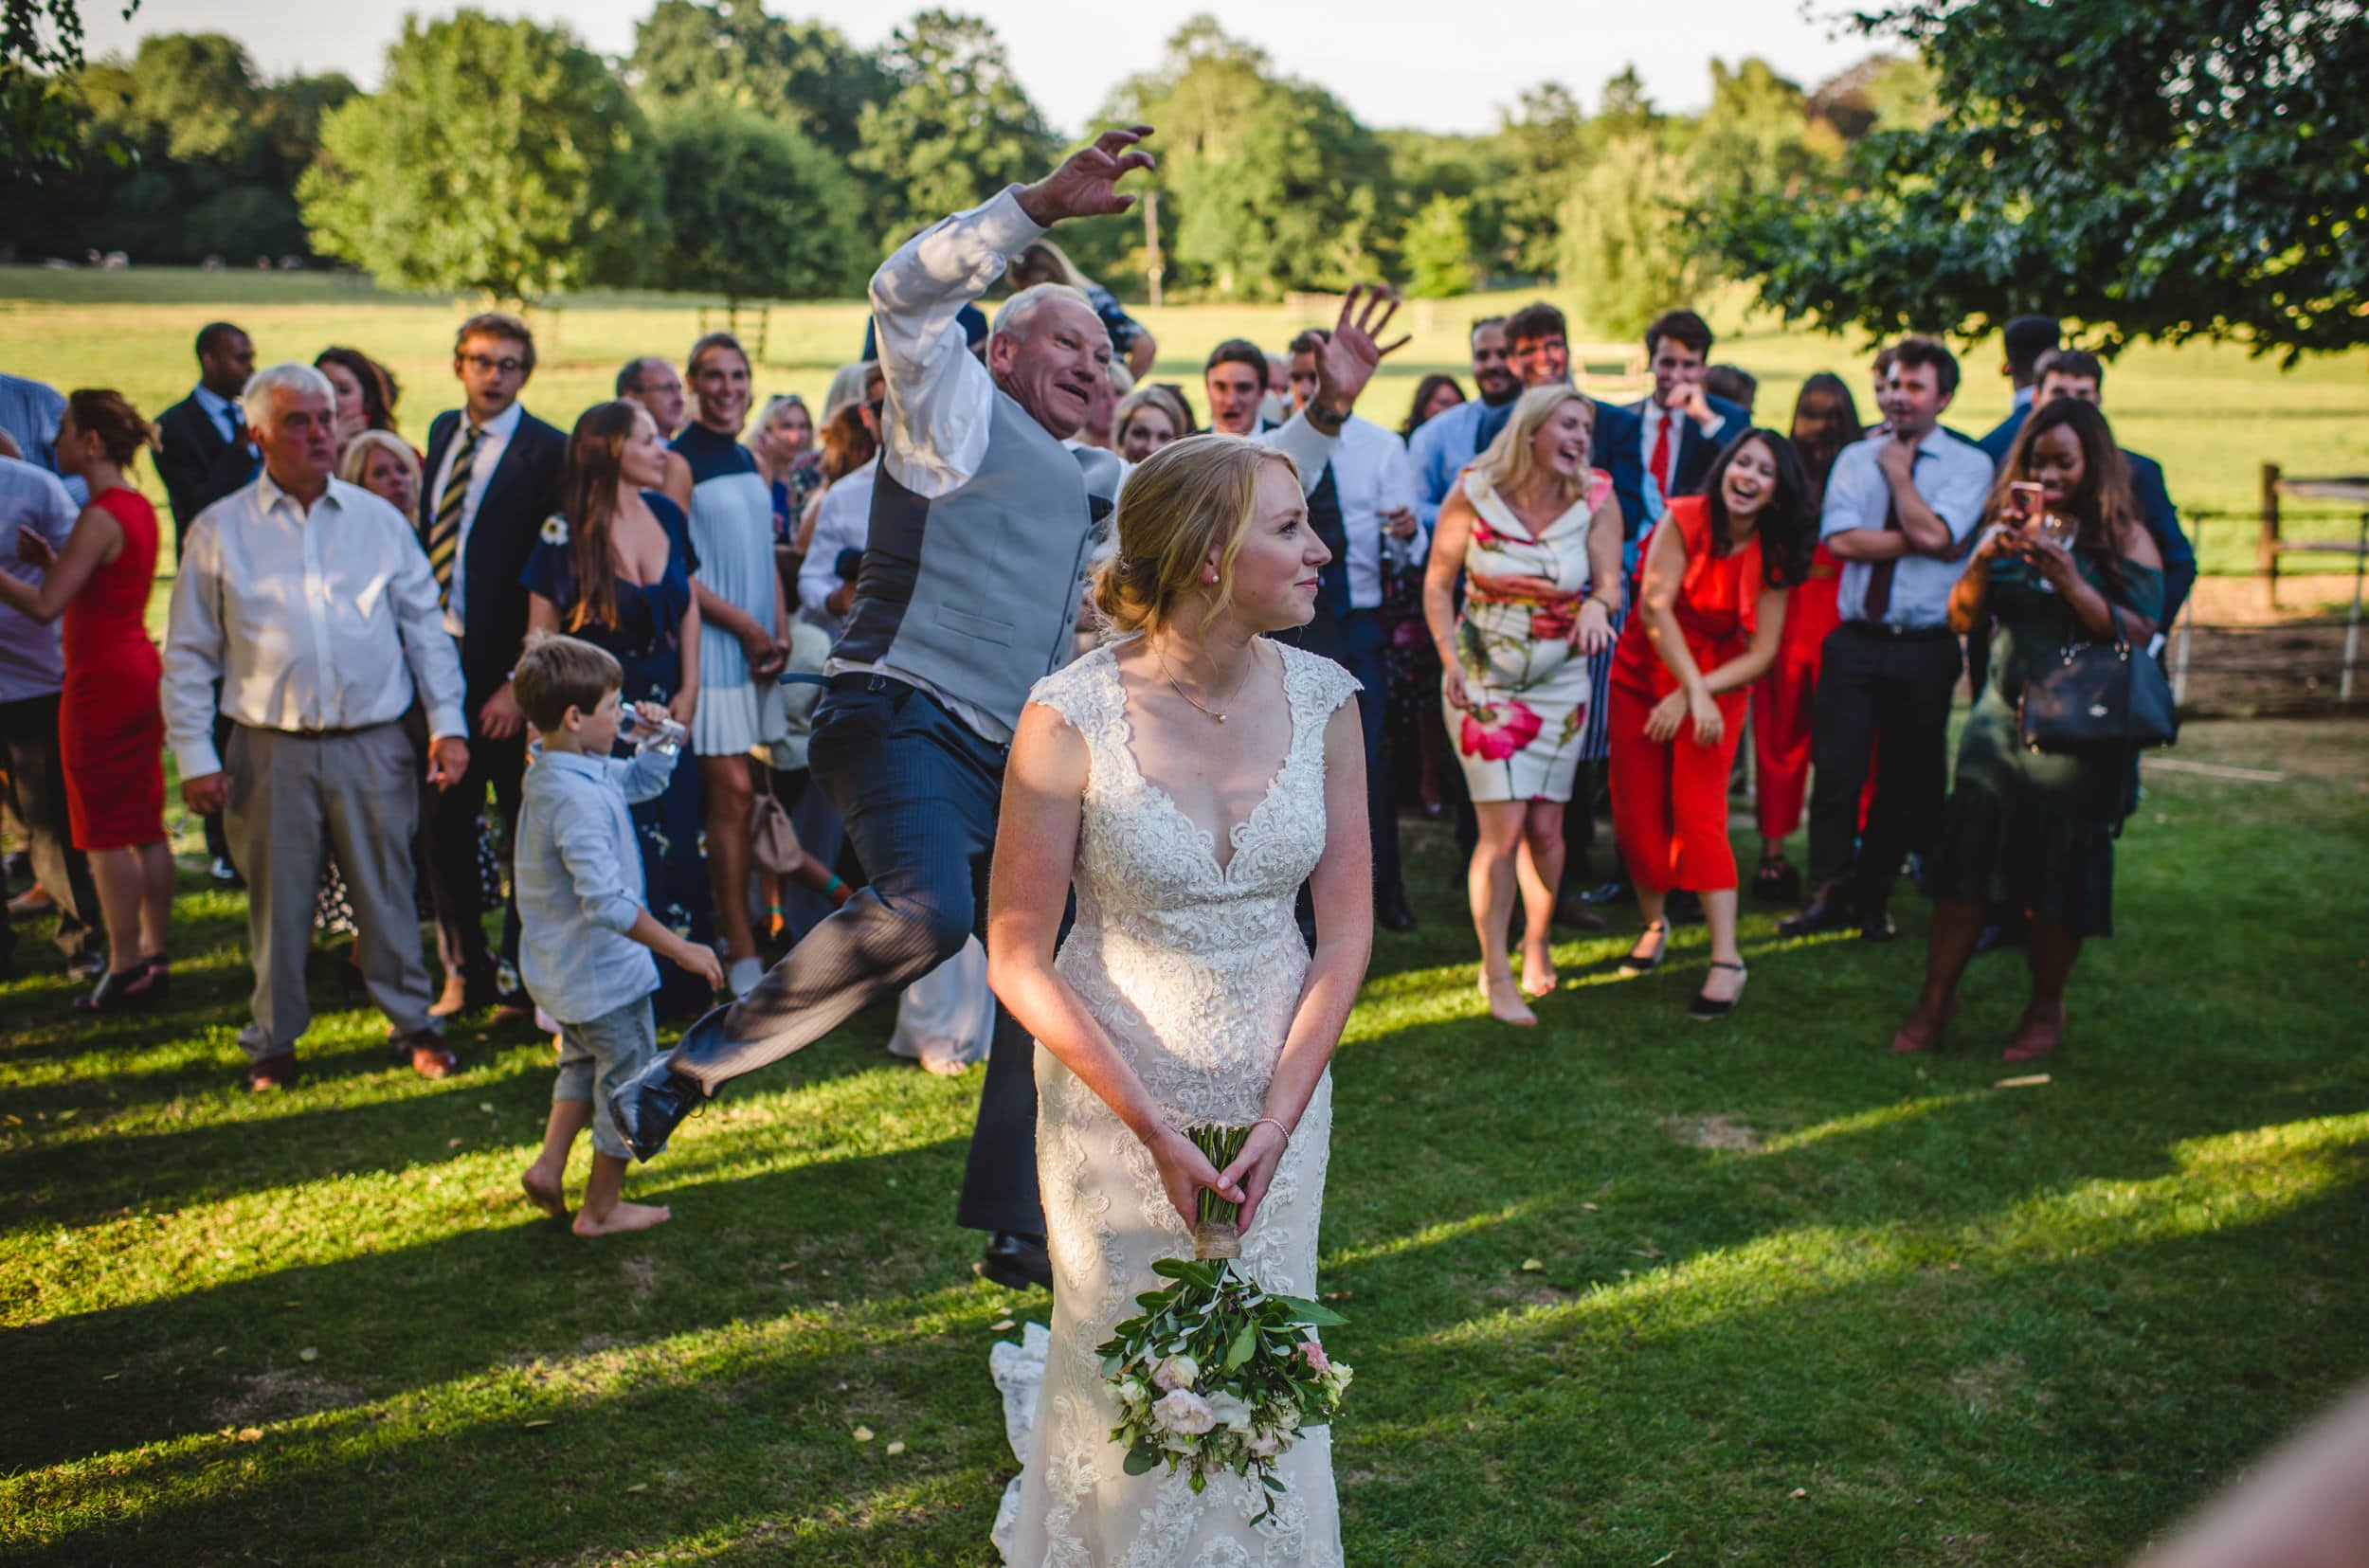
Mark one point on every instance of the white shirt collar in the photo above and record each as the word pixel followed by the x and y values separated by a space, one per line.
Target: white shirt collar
pixel 502 425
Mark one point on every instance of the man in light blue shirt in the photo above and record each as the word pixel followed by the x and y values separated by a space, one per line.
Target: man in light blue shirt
pixel 585 938
pixel 1442 446
pixel 28 412
pixel 1900 508
pixel 31 672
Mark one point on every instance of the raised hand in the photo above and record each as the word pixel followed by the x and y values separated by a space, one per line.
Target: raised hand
pixel 1086 184
pixel 1346 362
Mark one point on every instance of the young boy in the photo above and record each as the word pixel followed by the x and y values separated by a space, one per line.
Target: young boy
pixel 579 887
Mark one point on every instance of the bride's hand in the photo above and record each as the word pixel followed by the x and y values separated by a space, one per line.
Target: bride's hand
pixel 1253 1170
pixel 1185 1170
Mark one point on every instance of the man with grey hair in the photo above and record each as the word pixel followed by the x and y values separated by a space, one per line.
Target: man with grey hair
pixel 983 524
pixel 311 601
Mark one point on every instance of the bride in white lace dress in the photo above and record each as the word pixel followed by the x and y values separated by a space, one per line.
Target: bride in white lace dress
pixel 1188 779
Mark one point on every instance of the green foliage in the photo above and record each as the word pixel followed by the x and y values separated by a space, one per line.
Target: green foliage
pixel 500 158
pixel 40 50
pixel 1625 247
pixel 2196 167
pixel 753 210
pixel 1545 142
pixel 1437 250
pixel 806 72
pixel 1755 134
pixel 957 128
pixel 1269 184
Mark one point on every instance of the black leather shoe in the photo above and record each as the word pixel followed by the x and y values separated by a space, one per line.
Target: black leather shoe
pixel 1606 893
pixel 1684 906
pixel 1394 917
pixel 1823 912
pixel 1016 1262
pixel 649 1107
pixel 1876 925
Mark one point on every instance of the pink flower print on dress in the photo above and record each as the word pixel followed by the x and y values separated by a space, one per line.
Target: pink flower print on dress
pixel 1554 622
pixel 1495 733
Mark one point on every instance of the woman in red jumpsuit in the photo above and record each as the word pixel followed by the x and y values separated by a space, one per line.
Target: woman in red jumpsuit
pixel 111 726
pixel 1710 610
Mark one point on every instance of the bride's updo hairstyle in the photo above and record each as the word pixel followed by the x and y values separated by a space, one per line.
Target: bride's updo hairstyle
pixel 1190 497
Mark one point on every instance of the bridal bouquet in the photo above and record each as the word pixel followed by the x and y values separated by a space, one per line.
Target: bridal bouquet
pixel 1216 1374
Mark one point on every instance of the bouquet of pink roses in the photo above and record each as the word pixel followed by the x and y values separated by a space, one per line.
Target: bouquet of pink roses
pixel 1216 1374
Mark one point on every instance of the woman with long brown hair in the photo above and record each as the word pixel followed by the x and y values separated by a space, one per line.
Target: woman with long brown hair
pixel 614 568
pixel 1825 420
pixel 2026 829
pixel 111 729
pixel 366 391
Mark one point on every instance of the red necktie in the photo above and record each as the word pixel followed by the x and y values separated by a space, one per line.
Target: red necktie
pixel 1660 461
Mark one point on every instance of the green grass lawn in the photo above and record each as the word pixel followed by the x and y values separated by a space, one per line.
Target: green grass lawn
pixel 2212 414
pixel 1623 1289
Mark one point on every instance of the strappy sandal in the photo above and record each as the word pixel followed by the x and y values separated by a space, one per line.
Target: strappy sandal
pixel 1632 964
pixel 120 991
pixel 1711 1007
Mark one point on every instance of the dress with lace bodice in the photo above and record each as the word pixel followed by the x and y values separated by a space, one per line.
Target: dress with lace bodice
pixel 1194 969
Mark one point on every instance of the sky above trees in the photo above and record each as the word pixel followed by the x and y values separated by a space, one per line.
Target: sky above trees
pixel 1393 63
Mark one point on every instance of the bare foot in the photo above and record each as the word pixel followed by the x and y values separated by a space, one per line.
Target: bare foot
pixel 1505 1000
pixel 543 1191
pixel 620 1218
pixel 944 1064
pixel 1538 973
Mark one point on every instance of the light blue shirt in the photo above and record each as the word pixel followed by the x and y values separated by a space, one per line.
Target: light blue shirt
pixel 1442 447
pixel 28 411
pixel 218 409
pixel 579 881
pixel 1953 477
pixel 30 496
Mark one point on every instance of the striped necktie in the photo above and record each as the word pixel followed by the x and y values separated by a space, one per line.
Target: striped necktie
pixel 444 534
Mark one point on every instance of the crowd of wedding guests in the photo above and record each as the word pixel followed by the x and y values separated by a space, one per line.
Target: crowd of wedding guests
pixel 1558 609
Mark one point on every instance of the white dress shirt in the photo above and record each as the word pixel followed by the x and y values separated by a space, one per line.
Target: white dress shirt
pixel 1952 477
pixel 935 422
pixel 1373 475
pixel 843 521
pixel 314 620
pixel 493 441
pixel 934 426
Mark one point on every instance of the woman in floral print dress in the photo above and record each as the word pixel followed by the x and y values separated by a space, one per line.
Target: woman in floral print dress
pixel 1536 534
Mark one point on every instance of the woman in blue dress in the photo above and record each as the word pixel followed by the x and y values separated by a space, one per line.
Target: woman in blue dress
pixel 614 568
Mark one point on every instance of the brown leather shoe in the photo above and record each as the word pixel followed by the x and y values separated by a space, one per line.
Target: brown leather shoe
pixel 2037 1034
pixel 430 1057
pixel 513 1011
pixel 270 1073
pixel 1923 1031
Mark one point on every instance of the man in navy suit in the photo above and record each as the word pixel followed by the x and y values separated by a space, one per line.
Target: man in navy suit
pixel 1681 426
pixel 204 453
pixel 2027 339
pixel 491 479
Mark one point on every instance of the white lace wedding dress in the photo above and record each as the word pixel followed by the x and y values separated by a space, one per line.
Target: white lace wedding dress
pixel 1194 968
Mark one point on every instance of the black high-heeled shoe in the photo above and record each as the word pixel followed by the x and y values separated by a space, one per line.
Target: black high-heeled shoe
pixel 1710 1007
pixel 120 991
pixel 1632 965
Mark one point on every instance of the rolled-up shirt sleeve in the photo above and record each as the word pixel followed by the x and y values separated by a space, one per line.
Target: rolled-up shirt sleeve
pixel 934 426
pixel 643 776
pixel 193 652
pixel 582 832
pixel 1960 490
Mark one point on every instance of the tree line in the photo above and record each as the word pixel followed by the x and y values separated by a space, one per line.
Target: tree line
pixel 740 153
pixel 2187 167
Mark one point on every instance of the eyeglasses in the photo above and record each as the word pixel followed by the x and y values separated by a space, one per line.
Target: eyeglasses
pixel 506 366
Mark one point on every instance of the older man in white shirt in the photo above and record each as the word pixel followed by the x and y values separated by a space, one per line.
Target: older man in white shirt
pixel 311 601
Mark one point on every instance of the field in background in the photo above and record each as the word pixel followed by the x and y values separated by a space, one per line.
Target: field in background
pixel 2210 413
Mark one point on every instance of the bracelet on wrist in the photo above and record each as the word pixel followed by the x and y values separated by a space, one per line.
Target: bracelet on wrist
pixel 1269 1121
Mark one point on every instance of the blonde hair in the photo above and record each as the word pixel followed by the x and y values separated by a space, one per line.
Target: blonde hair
pixel 1043 261
pixel 1191 498
pixel 357 458
pixel 1157 398
pixel 1511 464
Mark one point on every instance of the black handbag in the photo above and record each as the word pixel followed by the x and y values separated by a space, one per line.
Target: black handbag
pixel 2098 697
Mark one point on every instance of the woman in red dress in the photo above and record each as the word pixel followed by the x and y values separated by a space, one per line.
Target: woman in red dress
pixel 111 725
pixel 1710 612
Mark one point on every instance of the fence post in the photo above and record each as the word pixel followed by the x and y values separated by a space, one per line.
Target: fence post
pixel 2352 623
pixel 2184 630
pixel 2267 551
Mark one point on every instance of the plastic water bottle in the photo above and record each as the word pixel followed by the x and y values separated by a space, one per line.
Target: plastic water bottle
pixel 665 735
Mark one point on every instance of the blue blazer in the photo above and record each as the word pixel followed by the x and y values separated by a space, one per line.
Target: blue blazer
pixel 522 492
pixel 1696 449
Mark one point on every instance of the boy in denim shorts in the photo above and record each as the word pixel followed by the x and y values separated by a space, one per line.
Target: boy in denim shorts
pixel 585 938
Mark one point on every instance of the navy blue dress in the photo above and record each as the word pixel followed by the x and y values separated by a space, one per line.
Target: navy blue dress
pixel 646 641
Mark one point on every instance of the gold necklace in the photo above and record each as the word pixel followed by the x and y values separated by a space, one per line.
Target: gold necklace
pixel 1196 701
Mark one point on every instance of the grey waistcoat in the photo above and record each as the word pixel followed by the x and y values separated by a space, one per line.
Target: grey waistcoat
pixel 976 592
